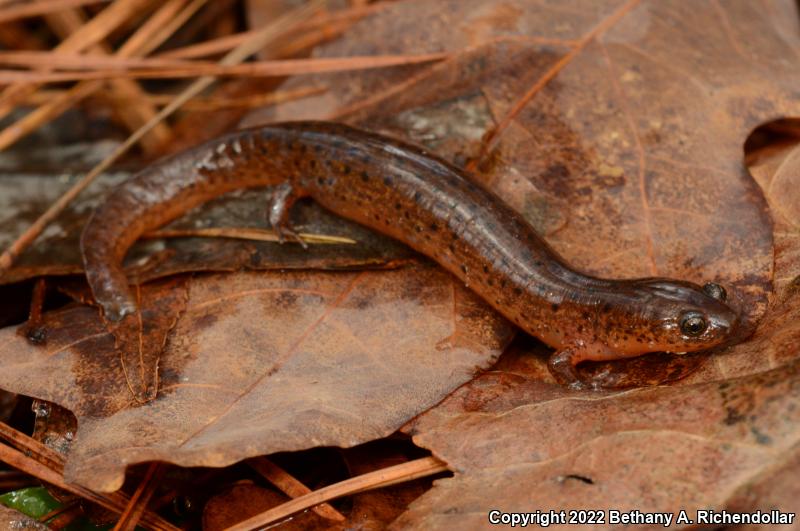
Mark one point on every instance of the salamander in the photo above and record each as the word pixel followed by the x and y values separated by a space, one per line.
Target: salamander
pixel 409 194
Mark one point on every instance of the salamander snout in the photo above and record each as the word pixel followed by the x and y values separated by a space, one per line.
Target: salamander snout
pixel 686 317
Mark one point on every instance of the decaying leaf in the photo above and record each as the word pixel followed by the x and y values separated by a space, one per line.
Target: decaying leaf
pixel 259 363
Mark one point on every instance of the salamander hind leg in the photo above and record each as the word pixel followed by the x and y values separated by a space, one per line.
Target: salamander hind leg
pixel 563 366
pixel 283 197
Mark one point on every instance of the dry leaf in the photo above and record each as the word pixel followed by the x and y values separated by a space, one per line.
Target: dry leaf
pixel 259 363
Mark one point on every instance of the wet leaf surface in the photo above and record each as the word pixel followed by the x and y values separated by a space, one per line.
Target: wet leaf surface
pixel 259 363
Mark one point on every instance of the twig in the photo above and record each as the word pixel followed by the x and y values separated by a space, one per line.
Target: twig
pixel 210 103
pixel 427 466
pixel 286 67
pixel 55 61
pixel 141 497
pixel 262 235
pixel 148 45
pixel 41 453
pixel 290 486
pixel 258 41
pixel 63 516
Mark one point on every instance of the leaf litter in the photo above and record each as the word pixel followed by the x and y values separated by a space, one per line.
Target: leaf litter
pixel 626 122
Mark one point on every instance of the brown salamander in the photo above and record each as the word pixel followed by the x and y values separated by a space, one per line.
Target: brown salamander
pixel 405 192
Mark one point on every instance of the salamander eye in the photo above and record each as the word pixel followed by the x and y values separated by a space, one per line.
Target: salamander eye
pixel 693 323
pixel 712 289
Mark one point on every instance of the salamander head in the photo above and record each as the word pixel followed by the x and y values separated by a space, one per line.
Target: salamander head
pixel 682 317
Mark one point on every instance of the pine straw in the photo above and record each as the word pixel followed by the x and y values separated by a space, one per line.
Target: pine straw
pixel 200 103
pixel 31 456
pixel 165 68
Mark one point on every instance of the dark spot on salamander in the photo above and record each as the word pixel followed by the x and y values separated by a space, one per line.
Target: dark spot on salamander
pixel 464 268
pixel 433 226
pixel 387 181
pixel 345 169
pixel 418 228
pixel 398 206
pixel 417 197
pixel 606 307
pixel 320 181
pixel 733 416
pixel 554 307
pixel 485 268
pixel 364 176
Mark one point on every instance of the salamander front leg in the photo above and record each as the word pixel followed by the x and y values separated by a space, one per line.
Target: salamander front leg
pixel 281 202
pixel 563 365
